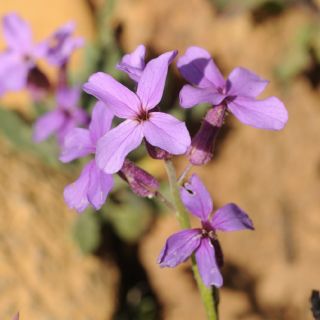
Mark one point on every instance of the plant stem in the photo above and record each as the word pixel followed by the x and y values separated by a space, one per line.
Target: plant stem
pixel 183 218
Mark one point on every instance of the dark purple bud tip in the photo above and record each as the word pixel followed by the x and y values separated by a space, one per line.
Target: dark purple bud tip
pixel 157 153
pixel 202 146
pixel 141 182
pixel 38 83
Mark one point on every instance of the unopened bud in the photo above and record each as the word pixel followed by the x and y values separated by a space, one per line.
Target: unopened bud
pixel 141 182
pixel 202 145
pixel 157 153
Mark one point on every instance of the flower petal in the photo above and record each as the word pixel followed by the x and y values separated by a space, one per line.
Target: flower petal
pixel 99 187
pixel 197 67
pixel 61 44
pixel 47 124
pixel 207 264
pixel 114 146
pixel 133 63
pixel 77 144
pixel 166 132
pixel 242 82
pixel 153 78
pixel 122 102
pixel 13 72
pixel 75 194
pixel 101 121
pixel 196 198
pixel 17 33
pixel 68 98
pixel 269 114
pixel 190 96
pixel 179 247
pixel 231 218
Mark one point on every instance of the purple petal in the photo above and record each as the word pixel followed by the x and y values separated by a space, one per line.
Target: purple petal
pixel 17 33
pixel 47 124
pixel 269 114
pixel 166 132
pixel 77 144
pixel 133 63
pixel 207 264
pixel 231 218
pixel 13 72
pixel 68 98
pixel 197 67
pixel 114 146
pixel 153 78
pixel 75 194
pixel 242 82
pixel 122 102
pixel 190 96
pixel 99 187
pixel 62 44
pixel 101 121
pixel 196 198
pixel 179 247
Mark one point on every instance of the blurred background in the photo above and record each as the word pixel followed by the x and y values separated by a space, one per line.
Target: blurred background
pixel 58 265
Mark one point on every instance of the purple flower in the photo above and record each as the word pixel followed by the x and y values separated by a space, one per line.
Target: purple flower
pixel 61 44
pixel 142 121
pixel 133 63
pixel 19 58
pixel 66 116
pixel 238 93
pixel 203 241
pixel 93 185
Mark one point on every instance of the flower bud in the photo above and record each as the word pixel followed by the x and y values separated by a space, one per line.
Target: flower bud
pixel 157 153
pixel 141 182
pixel 202 145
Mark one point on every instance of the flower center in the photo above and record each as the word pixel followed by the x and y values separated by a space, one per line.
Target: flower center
pixel 143 115
pixel 209 234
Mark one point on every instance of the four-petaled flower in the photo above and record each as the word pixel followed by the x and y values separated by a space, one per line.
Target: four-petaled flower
pixel 20 56
pixel 159 129
pixel 93 185
pixel 201 241
pixel 238 93
pixel 66 116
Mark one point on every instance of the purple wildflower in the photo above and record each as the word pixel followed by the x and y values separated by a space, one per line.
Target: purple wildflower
pixel 61 44
pixel 93 185
pixel 66 116
pixel 133 63
pixel 203 241
pixel 238 93
pixel 159 129
pixel 19 58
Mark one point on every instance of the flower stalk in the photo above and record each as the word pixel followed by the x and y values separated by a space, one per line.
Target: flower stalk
pixel 183 218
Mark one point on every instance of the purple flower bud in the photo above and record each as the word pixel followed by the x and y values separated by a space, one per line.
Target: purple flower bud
pixel 141 182
pixel 202 145
pixel 157 153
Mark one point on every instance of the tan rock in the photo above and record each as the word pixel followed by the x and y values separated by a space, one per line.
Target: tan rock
pixel 43 273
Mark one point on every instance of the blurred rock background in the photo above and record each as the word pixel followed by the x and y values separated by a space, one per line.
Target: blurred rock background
pixel 56 265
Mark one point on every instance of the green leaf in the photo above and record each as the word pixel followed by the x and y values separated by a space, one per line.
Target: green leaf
pixel 19 134
pixel 86 231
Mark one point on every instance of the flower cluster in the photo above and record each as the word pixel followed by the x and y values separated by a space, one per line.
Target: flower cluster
pixel 141 121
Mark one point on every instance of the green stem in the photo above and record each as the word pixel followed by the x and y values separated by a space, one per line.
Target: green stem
pixel 183 218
